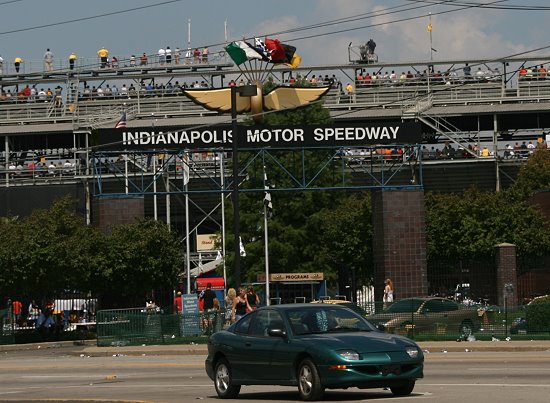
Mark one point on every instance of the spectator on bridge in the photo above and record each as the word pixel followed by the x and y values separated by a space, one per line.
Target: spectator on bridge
pixel 522 72
pixel 467 71
pixel 143 60
pixel 531 147
pixel 485 152
pixel 542 73
pixel 103 54
pixel 371 45
pixel 508 151
pixel 168 52
pixel 133 61
pixel 48 60
pixel 17 63
pixel 524 150
pixel 162 56
pixel 530 74
pixel 114 62
pixel 72 60
pixel 480 75
pixel 188 54
pixel 197 55
pixel 205 55
pixel 177 55
pixel 349 90
pixel 107 93
pixel 1 65
pixel 51 169
pixel 517 150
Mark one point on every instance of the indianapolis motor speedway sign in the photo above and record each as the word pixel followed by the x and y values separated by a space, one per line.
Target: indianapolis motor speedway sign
pixel 221 137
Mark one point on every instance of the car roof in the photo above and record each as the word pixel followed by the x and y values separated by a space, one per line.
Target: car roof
pixel 285 307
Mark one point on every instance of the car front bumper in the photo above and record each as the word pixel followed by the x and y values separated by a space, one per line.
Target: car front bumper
pixel 370 375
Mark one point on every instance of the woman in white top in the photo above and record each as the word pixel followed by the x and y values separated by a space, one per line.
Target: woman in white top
pixel 388 293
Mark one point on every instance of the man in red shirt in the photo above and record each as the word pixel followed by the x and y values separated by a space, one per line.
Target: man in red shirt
pixel 16 310
pixel 178 303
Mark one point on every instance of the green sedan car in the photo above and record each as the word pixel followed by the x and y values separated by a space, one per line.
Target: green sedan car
pixel 313 347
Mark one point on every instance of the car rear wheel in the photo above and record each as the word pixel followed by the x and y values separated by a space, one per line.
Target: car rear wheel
pixel 403 390
pixel 466 328
pixel 309 382
pixel 222 381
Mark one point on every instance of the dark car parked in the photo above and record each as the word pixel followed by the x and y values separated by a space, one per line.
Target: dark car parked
pixel 313 347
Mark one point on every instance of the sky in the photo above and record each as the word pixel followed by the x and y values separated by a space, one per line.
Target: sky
pixel 400 35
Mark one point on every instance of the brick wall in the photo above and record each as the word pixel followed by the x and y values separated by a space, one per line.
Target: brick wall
pixel 399 242
pixel 506 274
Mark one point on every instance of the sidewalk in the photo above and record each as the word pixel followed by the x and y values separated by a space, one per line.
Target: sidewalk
pixel 89 348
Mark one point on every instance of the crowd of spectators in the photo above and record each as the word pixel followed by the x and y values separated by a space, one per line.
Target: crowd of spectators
pixel 165 56
pixel 448 77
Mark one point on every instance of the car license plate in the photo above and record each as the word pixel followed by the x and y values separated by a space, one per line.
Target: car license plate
pixel 391 369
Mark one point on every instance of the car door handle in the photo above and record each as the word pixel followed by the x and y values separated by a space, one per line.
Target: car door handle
pixel 247 344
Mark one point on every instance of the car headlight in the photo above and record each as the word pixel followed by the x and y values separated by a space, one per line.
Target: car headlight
pixel 412 352
pixel 349 355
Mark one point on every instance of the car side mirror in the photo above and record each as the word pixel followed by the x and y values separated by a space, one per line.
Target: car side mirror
pixel 381 327
pixel 276 333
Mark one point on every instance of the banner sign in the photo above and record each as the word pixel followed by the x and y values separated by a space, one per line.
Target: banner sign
pixel 274 277
pixel 339 134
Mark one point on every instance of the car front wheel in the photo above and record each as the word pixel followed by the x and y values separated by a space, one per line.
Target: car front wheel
pixel 222 381
pixel 309 382
pixel 403 390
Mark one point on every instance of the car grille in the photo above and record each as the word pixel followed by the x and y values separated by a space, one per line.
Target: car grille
pixel 393 369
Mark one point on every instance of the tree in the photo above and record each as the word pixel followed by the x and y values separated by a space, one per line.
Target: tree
pixel 346 234
pixel 44 253
pixel 534 175
pixel 472 223
pixel 141 257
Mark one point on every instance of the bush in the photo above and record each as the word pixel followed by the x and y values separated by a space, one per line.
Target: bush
pixel 537 314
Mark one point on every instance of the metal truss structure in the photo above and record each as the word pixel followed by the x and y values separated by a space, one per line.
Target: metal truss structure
pixel 289 169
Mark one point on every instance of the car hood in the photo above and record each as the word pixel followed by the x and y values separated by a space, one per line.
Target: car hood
pixel 362 342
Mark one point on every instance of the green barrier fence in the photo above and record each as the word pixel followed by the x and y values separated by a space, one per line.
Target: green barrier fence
pixel 136 326
pixel 440 320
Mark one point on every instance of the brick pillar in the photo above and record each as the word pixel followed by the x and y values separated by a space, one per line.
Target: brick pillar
pixel 399 242
pixel 506 275
pixel 110 212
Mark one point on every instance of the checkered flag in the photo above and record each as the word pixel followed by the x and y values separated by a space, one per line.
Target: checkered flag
pixel 267 197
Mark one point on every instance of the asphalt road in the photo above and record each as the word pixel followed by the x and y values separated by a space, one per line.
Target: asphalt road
pixel 55 375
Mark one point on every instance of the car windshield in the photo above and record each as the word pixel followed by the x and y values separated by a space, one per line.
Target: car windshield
pixel 325 319
pixel 405 305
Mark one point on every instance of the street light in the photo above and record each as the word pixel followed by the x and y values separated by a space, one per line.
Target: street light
pixel 243 91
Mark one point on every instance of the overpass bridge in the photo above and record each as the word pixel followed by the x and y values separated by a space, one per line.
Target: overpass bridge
pixel 453 108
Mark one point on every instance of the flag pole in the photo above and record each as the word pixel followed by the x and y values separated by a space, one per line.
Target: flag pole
pixel 266 248
pixel 188 33
pixel 430 31
pixel 222 185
